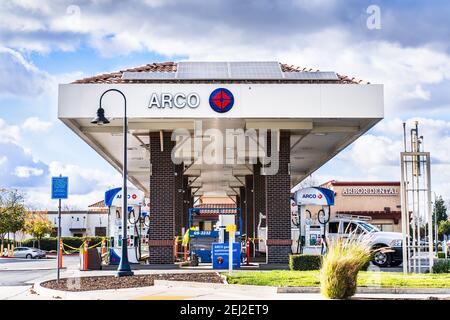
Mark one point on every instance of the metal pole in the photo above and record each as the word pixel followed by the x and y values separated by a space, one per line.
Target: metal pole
pixel 124 266
pixel 230 251
pixel 58 250
pixel 405 222
pixel 435 224
pixel 430 225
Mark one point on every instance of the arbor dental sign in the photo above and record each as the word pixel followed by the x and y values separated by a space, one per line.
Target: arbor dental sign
pixel 178 100
pixel 370 191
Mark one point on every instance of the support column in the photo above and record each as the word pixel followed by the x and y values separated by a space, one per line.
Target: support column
pixel 277 190
pixel 249 214
pixel 162 198
pixel 259 198
pixel 179 199
pixel 186 201
pixel 242 206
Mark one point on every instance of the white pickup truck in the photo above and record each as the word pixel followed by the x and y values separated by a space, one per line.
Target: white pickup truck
pixel 390 242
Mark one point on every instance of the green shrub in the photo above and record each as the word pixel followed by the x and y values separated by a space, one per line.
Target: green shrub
pixel 6 242
pixel 304 262
pixel 441 266
pixel 49 244
pixel 340 267
pixel 441 255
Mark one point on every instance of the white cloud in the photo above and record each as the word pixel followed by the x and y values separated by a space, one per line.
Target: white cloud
pixel 18 77
pixel 377 156
pixel 9 133
pixel 84 180
pixel 3 160
pixel 317 34
pixel 26 172
pixel 34 124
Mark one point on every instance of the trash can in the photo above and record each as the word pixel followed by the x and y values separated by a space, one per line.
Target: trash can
pixel 90 260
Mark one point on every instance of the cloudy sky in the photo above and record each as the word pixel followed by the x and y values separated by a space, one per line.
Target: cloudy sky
pixel 43 43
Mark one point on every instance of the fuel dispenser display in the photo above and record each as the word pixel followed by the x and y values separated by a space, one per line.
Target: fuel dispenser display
pixel 137 225
pixel 309 228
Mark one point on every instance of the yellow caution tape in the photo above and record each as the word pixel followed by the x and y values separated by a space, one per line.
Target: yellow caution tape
pixel 80 247
pixel 73 248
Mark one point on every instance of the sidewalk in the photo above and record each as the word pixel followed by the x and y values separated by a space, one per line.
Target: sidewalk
pixel 170 290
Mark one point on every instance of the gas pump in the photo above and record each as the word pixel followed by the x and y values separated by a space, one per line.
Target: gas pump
pixel 135 226
pixel 311 229
pixel 201 241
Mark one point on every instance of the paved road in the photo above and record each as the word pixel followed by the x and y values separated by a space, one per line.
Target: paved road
pixel 20 272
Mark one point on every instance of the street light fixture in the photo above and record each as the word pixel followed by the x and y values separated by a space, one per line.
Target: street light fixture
pixel 124 268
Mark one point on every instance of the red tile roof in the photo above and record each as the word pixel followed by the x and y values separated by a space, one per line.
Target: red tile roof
pixel 99 204
pixel 361 183
pixel 116 77
pixel 209 206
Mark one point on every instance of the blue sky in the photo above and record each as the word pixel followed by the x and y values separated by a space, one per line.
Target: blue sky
pixel 43 43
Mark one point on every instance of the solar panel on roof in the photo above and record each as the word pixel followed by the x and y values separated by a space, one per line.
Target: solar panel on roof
pixel 317 75
pixel 245 70
pixel 202 70
pixel 255 70
pixel 148 75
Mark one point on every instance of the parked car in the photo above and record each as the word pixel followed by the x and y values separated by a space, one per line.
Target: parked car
pixel 27 253
pixel 388 245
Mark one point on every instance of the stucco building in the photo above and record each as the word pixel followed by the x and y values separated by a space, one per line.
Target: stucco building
pixel 378 200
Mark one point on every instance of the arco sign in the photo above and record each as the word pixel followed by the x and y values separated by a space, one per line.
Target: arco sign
pixel 178 100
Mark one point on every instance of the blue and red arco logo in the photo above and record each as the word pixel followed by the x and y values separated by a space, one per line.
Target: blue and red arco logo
pixel 221 100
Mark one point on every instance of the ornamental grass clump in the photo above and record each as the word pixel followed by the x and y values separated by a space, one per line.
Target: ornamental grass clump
pixel 340 267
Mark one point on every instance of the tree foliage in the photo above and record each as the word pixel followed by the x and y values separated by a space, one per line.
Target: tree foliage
pixel 38 224
pixel 444 228
pixel 12 212
pixel 440 210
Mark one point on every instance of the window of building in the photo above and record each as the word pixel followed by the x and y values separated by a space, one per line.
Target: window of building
pixel 100 231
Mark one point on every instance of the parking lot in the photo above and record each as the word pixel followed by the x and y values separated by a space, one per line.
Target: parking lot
pixel 19 271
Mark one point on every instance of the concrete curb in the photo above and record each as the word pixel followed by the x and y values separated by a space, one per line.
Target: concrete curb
pixel 59 294
pixel 75 295
pixel 40 290
pixel 191 284
pixel 32 269
pixel 370 290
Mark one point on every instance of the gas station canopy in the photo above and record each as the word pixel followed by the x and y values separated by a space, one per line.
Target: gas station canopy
pixel 323 111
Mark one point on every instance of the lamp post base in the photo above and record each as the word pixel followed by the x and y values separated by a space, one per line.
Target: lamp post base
pixel 124 273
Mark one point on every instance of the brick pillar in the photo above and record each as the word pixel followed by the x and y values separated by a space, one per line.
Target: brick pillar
pixel 179 199
pixel 162 198
pixel 278 206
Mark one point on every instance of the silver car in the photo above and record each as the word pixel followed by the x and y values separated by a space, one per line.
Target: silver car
pixel 27 253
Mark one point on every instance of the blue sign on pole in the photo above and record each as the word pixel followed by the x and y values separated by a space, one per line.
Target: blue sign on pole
pixel 220 255
pixel 60 187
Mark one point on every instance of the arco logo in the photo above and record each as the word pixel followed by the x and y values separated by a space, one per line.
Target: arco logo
pixel 221 100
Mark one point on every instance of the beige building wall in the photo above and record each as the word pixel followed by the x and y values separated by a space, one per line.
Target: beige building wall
pixel 378 200
pixel 216 200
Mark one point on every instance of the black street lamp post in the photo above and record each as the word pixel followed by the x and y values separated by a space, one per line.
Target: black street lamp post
pixel 124 265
